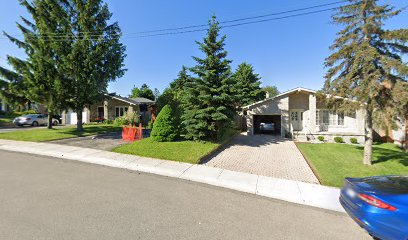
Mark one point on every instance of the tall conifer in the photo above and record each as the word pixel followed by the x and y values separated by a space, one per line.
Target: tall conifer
pixel 208 104
pixel 367 64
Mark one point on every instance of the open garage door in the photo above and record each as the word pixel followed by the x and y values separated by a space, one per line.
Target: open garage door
pixel 267 124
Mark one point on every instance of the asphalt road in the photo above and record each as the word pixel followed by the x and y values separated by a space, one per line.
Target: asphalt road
pixel 47 198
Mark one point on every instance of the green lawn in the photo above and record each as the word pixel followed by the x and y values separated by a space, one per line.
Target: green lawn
pixel 333 162
pixel 183 151
pixel 6 120
pixel 39 135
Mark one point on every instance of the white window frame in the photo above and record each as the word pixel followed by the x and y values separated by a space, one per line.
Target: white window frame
pixel 124 108
pixel 333 118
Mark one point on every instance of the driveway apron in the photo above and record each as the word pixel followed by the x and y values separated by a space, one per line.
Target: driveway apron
pixel 265 155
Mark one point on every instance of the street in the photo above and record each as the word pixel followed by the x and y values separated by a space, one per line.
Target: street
pixel 48 198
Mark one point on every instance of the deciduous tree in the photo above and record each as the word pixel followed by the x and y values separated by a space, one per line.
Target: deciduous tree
pixel 144 91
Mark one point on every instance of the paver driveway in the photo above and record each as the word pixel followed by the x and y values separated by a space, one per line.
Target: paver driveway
pixel 264 155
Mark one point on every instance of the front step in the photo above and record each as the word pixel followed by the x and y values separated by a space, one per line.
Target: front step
pixel 299 137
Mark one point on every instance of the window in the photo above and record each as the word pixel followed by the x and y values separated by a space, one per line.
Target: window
pixel 120 111
pixel 294 116
pixel 340 119
pixel 328 117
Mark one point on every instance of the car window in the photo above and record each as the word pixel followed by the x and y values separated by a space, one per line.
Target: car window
pixel 389 184
pixel 30 115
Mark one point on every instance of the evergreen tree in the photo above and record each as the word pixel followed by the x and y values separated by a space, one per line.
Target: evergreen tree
pixel 247 88
pixel 37 78
pixel 13 87
pixel 144 91
pixel 165 128
pixel 367 65
pixel 91 53
pixel 208 104
pixel 174 95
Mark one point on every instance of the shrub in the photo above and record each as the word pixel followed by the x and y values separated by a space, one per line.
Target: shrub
pixel 338 140
pixel 130 118
pixel 164 128
pixel 150 125
pixel 353 140
pixel 321 138
pixel 108 121
pixel 120 121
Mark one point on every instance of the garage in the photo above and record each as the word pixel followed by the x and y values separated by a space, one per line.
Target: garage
pixel 71 117
pixel 267 124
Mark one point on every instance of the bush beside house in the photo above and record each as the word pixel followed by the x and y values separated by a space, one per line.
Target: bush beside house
pixel 164 128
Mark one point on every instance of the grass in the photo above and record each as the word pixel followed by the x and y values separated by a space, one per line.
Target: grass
pixel 333 162
pixel 6 119
pixel 180 151
pixel 183 151
pixel 40 135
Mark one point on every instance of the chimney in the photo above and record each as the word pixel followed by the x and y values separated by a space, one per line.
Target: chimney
pixel 267 95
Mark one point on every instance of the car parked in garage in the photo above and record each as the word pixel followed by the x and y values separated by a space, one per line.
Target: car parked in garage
pixel 34 120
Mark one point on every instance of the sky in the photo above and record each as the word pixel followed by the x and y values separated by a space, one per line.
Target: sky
pixel 287 53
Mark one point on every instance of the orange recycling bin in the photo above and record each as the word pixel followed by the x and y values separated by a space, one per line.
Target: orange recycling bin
pixel 132 133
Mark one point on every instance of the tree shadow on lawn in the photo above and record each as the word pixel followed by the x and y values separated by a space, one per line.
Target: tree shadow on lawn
pixel 381 155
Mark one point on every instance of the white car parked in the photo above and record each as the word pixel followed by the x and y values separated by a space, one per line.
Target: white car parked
pixel 34 120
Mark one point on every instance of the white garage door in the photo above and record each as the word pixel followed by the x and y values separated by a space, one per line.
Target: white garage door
pixel 72 117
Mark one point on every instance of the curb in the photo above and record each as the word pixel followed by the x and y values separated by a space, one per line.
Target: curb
pixel 287 190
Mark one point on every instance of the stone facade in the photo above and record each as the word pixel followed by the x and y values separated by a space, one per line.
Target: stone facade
pixel 299 110
pixel 112 107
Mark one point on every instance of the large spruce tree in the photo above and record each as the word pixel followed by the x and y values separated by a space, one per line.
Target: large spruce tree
pixel 367 64
pixel 208 104
pixel 92 54
pixel 37 77
pixel 247 88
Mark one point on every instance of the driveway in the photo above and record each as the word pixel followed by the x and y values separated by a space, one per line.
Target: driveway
pixel 264 155
pixel 101 142
pixel 106 141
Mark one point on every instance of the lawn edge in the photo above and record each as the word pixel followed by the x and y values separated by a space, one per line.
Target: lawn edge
pixel 203 159
pixel 312 167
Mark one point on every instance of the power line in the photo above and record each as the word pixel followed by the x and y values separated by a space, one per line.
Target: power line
pixel 59 37
pixel 241 24
pixel 247 18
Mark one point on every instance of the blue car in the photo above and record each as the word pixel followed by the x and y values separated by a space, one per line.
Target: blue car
pixel 378 204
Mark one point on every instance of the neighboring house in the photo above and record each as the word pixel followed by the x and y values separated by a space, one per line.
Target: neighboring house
pixel 4 107
pixel 398 135
pixel 112 107
pixel 299 114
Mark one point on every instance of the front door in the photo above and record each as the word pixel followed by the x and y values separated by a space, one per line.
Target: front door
pixel 100 112
pixel 296 118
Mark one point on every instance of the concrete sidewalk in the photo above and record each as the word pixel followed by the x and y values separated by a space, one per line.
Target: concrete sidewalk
pixel 287 190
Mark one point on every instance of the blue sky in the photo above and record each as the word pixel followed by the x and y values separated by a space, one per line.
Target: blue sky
pixel 287 53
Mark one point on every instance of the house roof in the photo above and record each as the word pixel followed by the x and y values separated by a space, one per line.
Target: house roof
pixel 298 89
pixel 132 101
pixel 142 100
